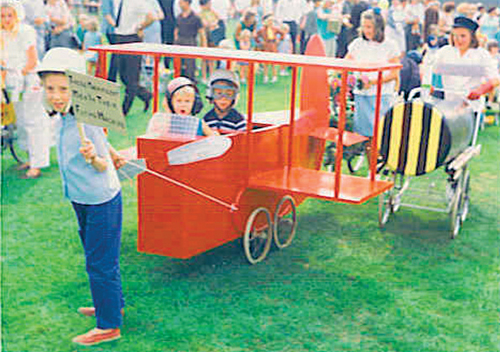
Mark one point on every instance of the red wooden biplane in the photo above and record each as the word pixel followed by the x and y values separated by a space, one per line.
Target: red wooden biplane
pixel 252 190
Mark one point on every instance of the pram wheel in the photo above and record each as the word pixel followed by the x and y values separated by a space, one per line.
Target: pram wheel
pixel 465 197
pixel 7 140
pixel 355 162
pixel 386 202
pixel 455 213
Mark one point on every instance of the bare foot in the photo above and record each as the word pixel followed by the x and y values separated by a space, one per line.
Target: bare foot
pixel 32 173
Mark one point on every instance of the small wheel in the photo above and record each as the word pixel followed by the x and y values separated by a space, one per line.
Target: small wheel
pixel 285 222
pixel 355 162
pixel 455 216
pixel 385 207
pixel 329 157
pixel 465 197
pixel 8 138
pixel 258 235
pixel 386 204
pixel 398 190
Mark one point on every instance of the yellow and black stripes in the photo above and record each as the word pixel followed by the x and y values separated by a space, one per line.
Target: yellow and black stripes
pixel 413 138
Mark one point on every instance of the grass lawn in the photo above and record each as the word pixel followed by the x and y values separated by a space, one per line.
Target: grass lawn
pixel 343 285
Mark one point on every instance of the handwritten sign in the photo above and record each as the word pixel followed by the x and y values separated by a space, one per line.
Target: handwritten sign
pixel 96 101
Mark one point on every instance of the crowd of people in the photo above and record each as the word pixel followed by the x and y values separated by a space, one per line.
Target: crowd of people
pixel 41 39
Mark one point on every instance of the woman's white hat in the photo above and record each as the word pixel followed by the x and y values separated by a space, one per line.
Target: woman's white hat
pixel 17 6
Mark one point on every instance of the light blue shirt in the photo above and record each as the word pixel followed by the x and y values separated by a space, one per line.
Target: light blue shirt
pixel 107 8
pixel 81 182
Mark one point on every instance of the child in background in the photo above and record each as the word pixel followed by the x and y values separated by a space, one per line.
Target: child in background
pixel 285 46
pixel 81 27
pixel 245 43
pixel 268 37
pixel 248 21
pixel 92 37
pixel 222 92
pixel 432 43
pixel 88 172
pixel 182 102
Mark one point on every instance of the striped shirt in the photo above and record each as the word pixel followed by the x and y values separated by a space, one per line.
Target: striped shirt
pixel 233 121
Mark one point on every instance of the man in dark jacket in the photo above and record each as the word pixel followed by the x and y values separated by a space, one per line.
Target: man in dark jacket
pixel 167 25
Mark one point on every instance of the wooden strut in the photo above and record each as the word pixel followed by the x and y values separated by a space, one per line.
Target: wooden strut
pixel 231 207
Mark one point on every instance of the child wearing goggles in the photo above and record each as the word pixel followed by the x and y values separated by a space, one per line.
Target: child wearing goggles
pixel 222 92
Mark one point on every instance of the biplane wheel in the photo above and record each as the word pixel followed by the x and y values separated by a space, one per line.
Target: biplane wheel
pixel 455 216
pixel 285 222
pixel 258 235
pixel 464 211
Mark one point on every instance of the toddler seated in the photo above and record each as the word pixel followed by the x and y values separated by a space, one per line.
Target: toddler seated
pixel 182 102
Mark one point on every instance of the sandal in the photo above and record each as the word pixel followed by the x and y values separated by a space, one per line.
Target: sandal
pixel 23 166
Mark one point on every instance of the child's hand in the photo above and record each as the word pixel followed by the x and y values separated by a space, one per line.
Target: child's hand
pixel 88 150
pixel 118 160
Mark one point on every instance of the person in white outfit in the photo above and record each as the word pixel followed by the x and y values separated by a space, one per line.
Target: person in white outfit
pixel 372 47
pixel 36 16
pixel 19 59
pixel 465 54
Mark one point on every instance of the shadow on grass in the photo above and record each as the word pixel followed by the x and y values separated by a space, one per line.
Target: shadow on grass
pixel 413 225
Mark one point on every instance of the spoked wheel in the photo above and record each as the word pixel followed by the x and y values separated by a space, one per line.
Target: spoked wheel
pixel 258 235
pixel 329 157
pixel 386 204
pixel 8 139
pixel 355 162
pixel 464 211
pixel 455 216
pixel 285 222
pixel 399 187
pixel 385 207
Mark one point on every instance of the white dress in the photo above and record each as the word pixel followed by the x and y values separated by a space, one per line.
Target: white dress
pixel 33 123
pixel 373 52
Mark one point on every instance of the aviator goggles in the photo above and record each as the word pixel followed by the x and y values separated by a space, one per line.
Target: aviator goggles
pixel 223 91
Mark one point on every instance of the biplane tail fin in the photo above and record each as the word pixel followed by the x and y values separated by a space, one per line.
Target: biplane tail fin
pixel 314 92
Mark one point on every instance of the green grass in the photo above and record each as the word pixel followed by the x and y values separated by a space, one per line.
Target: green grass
pixel 343 285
